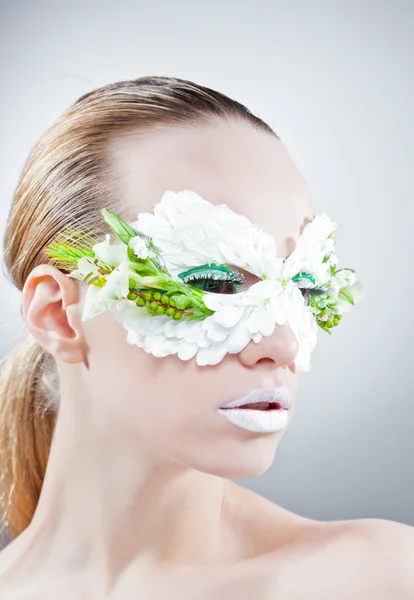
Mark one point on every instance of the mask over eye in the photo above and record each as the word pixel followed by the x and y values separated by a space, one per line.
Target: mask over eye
pixel 180 279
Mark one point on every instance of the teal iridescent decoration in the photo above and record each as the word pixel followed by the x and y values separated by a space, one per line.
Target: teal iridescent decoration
pixel 304 280
pixel 204 270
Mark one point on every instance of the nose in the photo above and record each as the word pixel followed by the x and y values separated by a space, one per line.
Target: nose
pixel 281 347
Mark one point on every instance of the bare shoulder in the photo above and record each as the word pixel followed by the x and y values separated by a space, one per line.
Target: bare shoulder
pixel 362 559
pixel 383 535
pixel 388 549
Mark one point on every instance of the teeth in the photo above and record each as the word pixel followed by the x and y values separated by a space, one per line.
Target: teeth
pixel 258 405
pixel 280 395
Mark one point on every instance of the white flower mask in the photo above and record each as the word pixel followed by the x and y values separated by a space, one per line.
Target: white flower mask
pixel 168 273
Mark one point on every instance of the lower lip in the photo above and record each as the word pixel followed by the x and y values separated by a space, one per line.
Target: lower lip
pixel 259 421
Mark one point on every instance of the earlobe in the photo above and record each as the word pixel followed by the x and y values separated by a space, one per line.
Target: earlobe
pixel 52 313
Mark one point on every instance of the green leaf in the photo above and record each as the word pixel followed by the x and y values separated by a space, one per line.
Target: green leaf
pixel 118 226
pixel 141 269
pixel 167 283
pixel 199 313
pixel 345 294
pixel 132 256
pixel 323 326
pixel 67 253
pixel 182 301
pixel 164 278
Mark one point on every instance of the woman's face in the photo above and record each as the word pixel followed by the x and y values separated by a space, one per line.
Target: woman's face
pixel 167 404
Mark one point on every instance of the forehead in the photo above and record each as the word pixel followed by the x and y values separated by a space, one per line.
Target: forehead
pixel 226 162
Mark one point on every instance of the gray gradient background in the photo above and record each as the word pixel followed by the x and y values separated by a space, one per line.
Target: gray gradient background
pixel 335 80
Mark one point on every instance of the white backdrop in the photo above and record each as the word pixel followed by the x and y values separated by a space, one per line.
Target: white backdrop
pixel 335 80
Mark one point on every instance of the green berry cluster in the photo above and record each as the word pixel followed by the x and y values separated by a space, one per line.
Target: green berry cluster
pixel 325 310
pixel 329 318
pixel 156 302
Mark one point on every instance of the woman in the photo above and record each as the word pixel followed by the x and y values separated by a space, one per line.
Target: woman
pixel 117 457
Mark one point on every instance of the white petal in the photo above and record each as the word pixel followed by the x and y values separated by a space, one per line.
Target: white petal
pixel 98 300
pixel 268 322
pixel 202 357
pixel 85 267
pixel 140 248
pixel 279 314
pixel 218 301
pixel 111 254
pixel 357 290
pixel 117 283
pixel 261 320
pixel 148 225
pixel 217 353
pixel 134 338
pixel 266 244
pixel 202 339
pixel 89 308
pixel 254 320
pixel 158 346
pixel 194 332
pixel 231 253
pixel 185 329
pixel 238 338
pixel 211 355
pixel 228 315
pixel 150 324
pixel 261 290
pixel 170 328
pixel 216 333
pixel 186 350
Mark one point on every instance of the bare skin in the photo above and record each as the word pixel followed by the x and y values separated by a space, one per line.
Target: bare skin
pixel 281 555
pixel 137 499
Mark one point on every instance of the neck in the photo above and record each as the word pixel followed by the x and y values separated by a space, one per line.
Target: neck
pixel 105 504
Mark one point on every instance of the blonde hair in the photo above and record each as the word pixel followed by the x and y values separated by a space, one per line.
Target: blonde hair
pixel 68 175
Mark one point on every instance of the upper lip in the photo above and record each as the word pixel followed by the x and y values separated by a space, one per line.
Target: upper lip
pixel 275 394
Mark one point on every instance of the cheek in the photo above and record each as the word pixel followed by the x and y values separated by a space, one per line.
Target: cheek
pixel 158 392
pixel 107 347
pixel 292 383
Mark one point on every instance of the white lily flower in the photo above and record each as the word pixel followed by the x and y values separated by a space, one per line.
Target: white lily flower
pixel 99 299
pixel 86 267
pixel 302 323
pixel 267 312
pixel 342 278
pixel 310 250
pixel 356 290
pixel 111 254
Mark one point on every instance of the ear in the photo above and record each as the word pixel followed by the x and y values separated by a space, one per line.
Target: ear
pixel 51 308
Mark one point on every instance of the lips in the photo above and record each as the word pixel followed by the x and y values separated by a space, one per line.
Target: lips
pixel 262 399
pixel 258 406
pixel 260 411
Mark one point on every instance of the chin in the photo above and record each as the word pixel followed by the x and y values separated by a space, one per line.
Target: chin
pixel 254 458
